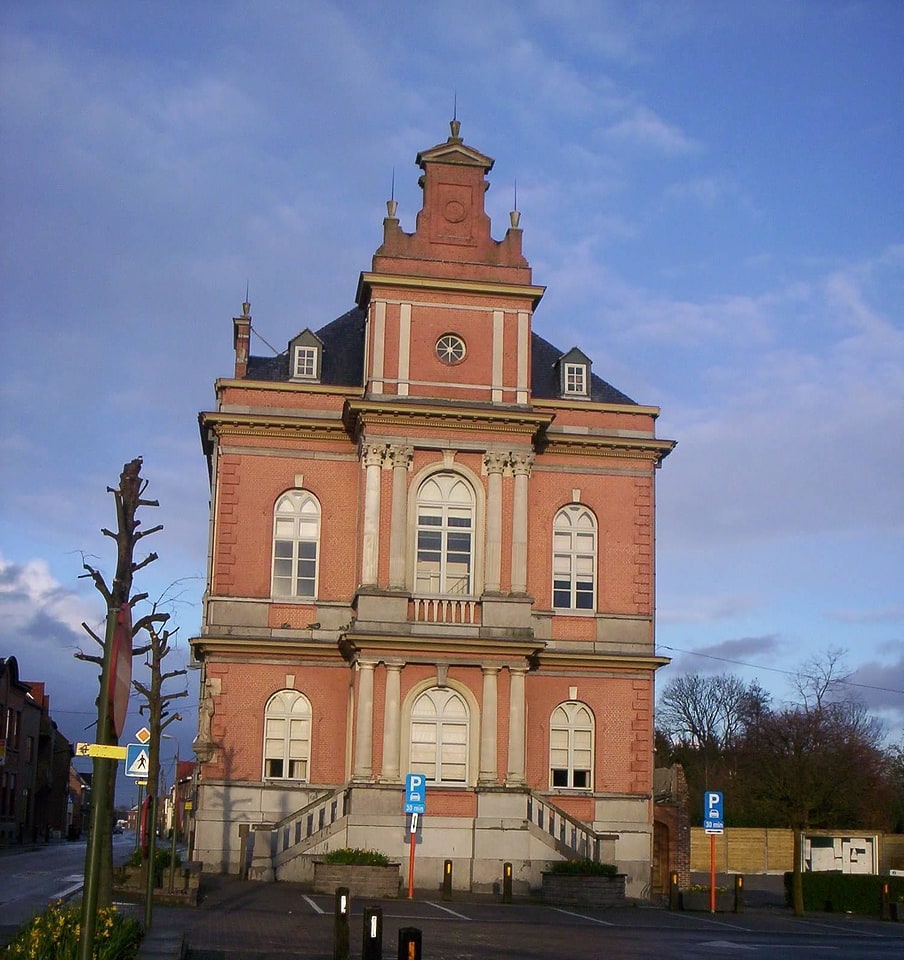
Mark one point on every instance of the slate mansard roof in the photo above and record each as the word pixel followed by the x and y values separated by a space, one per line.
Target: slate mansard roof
pixel 343 363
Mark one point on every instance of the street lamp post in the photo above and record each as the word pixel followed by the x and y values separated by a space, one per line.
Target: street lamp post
pixel 175 816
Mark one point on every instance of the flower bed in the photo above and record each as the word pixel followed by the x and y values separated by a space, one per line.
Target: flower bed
pixel 699 900
pixel 360 879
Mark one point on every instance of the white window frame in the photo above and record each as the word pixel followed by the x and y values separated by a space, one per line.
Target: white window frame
pixel 439 737
pixel 574 559
pixel 287 737
pixel 575 379
pixel 571 746
pixel 445 514
pixel 296 535
pixel 304 362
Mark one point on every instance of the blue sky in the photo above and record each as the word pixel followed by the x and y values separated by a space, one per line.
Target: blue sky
pixel 711 192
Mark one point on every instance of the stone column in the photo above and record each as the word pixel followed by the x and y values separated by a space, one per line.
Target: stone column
pixel 516 726
pixel 364 721
pixel 372 457
pixel 494 464
pixel 392 721
pixel 521 465
pixel 401 458
pixel 488 772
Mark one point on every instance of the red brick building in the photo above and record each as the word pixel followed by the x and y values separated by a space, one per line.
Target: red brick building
pixel 432 552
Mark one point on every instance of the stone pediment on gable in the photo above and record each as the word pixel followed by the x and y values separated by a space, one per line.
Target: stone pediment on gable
pixel 455 151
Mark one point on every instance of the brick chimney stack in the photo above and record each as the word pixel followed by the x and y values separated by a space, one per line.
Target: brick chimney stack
pixel 241 340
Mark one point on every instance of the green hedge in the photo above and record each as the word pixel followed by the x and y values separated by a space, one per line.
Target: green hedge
pixel 846 892
pixel 583 868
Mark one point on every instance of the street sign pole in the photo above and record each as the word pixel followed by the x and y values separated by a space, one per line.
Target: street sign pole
pixel 713 824
pixel 411 845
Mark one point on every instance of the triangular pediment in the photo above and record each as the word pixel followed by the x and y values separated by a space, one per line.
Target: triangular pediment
pixel 454 150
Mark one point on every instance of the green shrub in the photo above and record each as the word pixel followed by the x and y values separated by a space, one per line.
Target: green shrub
pixel 844 892
pixel 54 935
pixel 584 868
pixel 367 858
pixel 161 859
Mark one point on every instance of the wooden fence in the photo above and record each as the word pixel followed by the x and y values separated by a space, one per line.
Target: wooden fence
pixel 761 850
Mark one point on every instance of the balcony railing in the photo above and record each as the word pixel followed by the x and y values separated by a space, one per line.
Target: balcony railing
pixel 445 609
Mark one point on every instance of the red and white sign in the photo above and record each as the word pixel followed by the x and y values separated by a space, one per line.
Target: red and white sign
pixel 121 670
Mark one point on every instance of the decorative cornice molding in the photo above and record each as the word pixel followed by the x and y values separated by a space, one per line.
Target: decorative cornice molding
pixel 368 281
pixel 375 413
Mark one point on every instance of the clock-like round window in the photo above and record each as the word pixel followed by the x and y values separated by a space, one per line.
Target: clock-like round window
pixel 450 348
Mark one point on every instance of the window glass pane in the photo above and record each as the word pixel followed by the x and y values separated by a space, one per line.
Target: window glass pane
pixel 560 777
pixel 274 768
pixel 581 779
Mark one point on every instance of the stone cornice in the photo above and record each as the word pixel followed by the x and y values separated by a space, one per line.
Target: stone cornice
pixel 284 426
pixel 363 413
pixel 481 288
pixel 575 660
pixel 639 448
pixel 422 648
pixel 285 386
pixel 583 406
pixel 258 647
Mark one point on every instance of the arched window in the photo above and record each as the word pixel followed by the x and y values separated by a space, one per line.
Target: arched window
pixel 287 736
pixel 571 746
pixel 574 559
pixel 296 539
pixel 439 736
pixel 445 536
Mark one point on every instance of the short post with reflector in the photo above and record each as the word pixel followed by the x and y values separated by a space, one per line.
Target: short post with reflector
pixel 409 943
pixel 372 948
pixel 506 883
pixel 340 923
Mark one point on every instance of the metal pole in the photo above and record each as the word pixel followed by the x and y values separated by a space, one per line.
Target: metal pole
pixel 712 873
pixel 175 811
pixel 100 790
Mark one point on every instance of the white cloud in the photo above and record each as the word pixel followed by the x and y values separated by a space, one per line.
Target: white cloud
pixel 644 128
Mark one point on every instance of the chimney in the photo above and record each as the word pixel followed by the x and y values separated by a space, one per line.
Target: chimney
pixel 241 339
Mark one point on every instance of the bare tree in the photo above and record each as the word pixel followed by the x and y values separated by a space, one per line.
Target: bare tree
pixel 128 498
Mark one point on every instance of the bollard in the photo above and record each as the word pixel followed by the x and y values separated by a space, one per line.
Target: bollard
pixel 739 893
pixel 506 883
pixel 373 934
pixel 884 909
pixel 674 896
pixel 340 924
pixel 409 943
pixel 447 880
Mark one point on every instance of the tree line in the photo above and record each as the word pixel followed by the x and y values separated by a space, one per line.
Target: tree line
pixel 819 761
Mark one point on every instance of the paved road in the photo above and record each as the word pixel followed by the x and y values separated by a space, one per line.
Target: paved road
pixel 245 921
pixel 31 876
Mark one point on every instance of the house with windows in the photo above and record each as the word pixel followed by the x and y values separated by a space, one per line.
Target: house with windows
pixel 432 553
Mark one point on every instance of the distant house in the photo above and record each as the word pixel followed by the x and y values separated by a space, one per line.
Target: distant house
pixel 34 762
pixel 432 553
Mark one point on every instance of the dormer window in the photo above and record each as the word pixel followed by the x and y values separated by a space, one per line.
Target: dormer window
pixel 576 378
pixel 574 374
pixel 305 363
pixel 305 356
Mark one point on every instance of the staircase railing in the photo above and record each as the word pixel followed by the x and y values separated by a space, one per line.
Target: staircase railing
pixel 577 836
pixel 321 813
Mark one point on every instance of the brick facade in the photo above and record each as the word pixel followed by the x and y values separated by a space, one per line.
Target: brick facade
pixel 387 416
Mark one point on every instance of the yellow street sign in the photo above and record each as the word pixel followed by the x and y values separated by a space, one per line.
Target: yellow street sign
pixel 188 805
pixel 100 750
pixel 141 783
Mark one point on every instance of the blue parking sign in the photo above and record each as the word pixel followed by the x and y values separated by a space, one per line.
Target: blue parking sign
pixel 713 812
pixel 415 793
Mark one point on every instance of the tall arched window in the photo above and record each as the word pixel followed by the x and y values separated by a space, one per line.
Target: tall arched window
pixel 287 736
pixel 296 540
pixel 439 736
pixel 445 536
pixel 574 559
pixel 571 746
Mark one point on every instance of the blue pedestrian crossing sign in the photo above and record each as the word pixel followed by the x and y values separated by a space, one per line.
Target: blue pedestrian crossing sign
pixel 415 793
pixel 138 759
pixel 713 812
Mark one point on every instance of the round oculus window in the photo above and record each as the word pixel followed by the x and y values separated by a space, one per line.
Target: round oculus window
pixel 450 348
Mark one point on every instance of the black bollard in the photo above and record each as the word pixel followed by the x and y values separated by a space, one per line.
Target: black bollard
pixel 674 896
pixel 739 893
pixel 409 943
pixel 372 948
pixel 884 906
pixel 447 880
pixel 506 883
pixel 340 924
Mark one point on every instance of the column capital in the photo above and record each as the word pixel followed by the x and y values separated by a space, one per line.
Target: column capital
pixel 373 454
pixel 399 456
pixel 522 463
pixel 495 462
